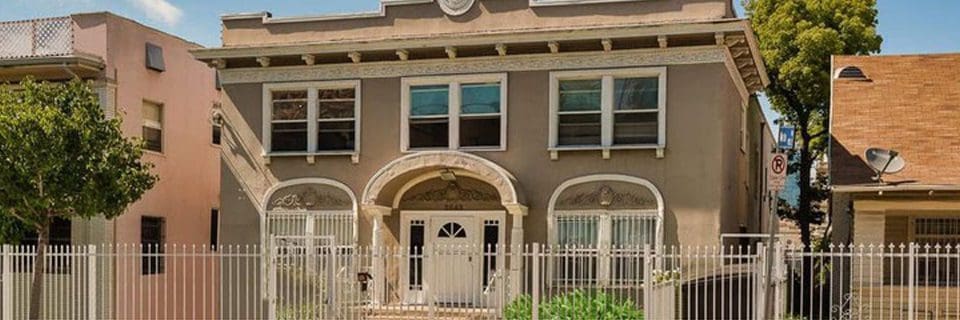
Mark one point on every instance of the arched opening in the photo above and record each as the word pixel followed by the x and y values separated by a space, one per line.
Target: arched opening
pixel 443 200
pixel 300 209
pixel 850 73
pixel 384 185
pixel 605 215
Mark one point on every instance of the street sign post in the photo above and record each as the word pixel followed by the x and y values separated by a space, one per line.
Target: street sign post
pixel 786 137
pixel 776 180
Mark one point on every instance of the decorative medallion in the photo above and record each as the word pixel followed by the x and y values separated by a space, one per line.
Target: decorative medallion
pixel 606 196
pixel 455 7
pixel 309 199
pixel 452 192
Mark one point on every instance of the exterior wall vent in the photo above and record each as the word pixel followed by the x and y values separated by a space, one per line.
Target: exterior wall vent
pixel 851 73
pixel 155 57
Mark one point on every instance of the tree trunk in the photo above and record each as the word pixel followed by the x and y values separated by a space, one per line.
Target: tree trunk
pixel 39 268
pixel 804 214
pixel 805 218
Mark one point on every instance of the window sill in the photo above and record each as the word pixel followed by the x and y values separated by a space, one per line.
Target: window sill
pixel 311 156
pixel 154 153
pixel 554 151
pixel 465 149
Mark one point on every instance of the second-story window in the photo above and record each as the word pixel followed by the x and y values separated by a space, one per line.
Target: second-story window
pixel 289 121
pixel 153 126
pixel 454 113
pixel 336 116
pixel 312 118
pixel 621 108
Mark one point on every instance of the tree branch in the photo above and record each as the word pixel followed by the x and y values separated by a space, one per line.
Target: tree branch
pixel 818 134
pixel 24 220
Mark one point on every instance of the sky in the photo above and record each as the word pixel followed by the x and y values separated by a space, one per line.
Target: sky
pixel 907 26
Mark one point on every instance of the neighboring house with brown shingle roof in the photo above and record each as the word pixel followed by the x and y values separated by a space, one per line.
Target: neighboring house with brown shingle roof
pixel 907 103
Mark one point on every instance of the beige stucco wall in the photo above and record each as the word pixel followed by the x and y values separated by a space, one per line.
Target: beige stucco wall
pixel 702 121
pixel 887 219
pixel 487 16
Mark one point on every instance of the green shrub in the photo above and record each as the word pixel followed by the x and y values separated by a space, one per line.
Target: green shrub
pixel 578 304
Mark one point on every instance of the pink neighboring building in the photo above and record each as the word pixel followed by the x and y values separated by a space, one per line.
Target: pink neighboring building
pixel 164 95
pixel 148 78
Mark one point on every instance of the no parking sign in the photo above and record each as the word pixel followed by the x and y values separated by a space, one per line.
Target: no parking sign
pixel 777 178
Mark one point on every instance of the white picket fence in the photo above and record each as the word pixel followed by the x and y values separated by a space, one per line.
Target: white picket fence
pixel 312 279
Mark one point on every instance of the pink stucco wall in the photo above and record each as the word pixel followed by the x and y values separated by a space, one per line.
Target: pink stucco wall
pixel 188 167
pixel 189 164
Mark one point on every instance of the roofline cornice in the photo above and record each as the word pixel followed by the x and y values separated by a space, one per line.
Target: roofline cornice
pixel 476 65
pixel 475 39
pixel 753 42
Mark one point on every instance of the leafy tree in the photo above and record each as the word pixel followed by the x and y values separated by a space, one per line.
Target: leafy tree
pixel 797 39
pixel 61 157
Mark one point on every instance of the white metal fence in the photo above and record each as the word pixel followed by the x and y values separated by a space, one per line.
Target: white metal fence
pixel 316 280
pixel 36 38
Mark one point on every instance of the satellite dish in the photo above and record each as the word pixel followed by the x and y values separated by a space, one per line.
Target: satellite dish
pixel 884 161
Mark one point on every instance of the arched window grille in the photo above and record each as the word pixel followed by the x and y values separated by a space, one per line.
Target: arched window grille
pixel 297 212
pixel 600 222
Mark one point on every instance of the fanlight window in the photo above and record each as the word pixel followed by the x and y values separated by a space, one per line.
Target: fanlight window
pixel 851 72
pixel 452 230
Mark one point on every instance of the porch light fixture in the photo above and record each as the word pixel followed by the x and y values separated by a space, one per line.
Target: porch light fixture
pixel 448 175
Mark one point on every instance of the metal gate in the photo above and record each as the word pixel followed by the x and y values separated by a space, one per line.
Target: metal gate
pixel 302 277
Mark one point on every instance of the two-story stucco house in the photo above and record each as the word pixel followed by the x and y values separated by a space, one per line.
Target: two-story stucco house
pixel 492 122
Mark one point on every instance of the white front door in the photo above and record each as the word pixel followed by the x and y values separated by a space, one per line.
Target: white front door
pixel 456 244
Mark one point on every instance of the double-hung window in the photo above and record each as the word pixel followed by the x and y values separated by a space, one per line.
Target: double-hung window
pixel 454 113
pixel 608 109
pixel 314 118
pixel 153 126
pixel 288 122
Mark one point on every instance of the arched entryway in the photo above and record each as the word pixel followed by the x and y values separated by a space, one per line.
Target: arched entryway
pixel 443 200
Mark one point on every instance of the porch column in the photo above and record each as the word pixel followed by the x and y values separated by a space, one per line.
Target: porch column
pixel 376 214
pixel 517 212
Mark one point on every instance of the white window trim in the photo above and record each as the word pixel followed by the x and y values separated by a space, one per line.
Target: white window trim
pixel 453 112
pixel 312 89
pixel 607 108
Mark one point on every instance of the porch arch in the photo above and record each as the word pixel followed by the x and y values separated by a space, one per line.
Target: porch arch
pixel 477 167
pixel 381 196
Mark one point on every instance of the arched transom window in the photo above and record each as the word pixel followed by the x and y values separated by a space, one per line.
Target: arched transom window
pixel 311 210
